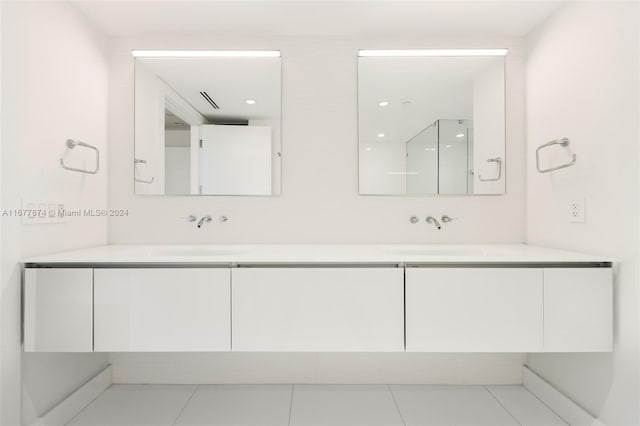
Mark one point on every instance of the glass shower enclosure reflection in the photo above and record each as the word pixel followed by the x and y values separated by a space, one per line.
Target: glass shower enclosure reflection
pixel 439 159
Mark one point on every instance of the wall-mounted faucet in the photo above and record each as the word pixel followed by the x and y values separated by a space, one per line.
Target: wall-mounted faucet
pixel 204 219
pixel 433 220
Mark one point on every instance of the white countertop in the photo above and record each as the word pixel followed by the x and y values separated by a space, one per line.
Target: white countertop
pixel 316 254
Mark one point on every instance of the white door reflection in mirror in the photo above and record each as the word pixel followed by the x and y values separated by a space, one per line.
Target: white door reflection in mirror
pixel 431 124
pixel 207 124
pixel 235 160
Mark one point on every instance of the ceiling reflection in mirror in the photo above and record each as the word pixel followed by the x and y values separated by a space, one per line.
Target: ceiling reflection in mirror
pixel 431 125
pixel 207 125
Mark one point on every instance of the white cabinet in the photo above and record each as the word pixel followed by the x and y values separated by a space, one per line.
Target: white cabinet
pixel 58 310
pixel 329 309
pixel 318 309
pixel 162 309
pixel 578 310
pixel 474 309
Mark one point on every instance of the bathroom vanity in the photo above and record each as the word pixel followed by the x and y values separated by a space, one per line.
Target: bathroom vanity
pixel 319 298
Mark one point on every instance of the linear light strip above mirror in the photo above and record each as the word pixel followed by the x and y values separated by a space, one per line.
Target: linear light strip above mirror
pixel 433 52
pixel 206 53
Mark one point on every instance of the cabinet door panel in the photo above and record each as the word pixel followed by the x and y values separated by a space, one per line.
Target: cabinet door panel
pixel 162 309
pixel 474 310
pixel 578 310
pixel 58 310
pixel 318 309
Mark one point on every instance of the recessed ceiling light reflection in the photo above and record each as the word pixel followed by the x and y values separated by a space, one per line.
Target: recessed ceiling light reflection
pixel 383 103
pixel 380 135
pixel 448 146
pixel 250 101
pixel 460 135
pixel 369 148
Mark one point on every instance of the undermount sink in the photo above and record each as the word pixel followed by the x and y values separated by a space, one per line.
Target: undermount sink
pixel 196 251
pixel 437 251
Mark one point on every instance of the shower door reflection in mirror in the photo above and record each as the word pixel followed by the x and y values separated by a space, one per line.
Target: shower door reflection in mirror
pixel 207 125
pixel 431 125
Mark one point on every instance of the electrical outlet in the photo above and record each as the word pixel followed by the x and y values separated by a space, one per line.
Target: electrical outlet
pixel 577 211
pixel 41 212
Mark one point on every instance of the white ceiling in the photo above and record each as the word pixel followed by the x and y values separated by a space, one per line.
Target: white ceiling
pixel 420 90
pixel 317 18
pixel 228 81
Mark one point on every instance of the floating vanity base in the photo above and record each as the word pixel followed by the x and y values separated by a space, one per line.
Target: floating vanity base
pixel 435 304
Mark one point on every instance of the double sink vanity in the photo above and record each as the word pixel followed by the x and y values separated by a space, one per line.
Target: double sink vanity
pixel 319 298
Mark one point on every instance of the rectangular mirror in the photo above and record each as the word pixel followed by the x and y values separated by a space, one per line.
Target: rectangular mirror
pixel 207 123
pixel 431 122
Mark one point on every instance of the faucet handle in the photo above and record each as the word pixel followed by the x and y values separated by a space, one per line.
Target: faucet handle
pixel 447 219
pixel 414 219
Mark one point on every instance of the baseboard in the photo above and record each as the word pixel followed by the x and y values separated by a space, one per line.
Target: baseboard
pixel 62 413
pixel 570 412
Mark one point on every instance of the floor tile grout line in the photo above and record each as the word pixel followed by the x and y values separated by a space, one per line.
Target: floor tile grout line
pixel 545 404
pixel 502 405
pixel 396 404
pixel 87 406
pixel 293 386
pixel 195 389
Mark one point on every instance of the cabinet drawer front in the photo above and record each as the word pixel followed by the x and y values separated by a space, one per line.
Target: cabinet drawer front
pixel 58 310
pixel 474 310
pixel 163 309
pixel 318 309
pixel 578 310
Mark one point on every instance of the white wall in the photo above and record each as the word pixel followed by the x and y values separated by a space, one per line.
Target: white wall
pixel 150 132
pixel 55 86
pixel 383 368
pixel 582 83
pixel 3 353
pixel 276 154
pixel 319 203
pixel 488 133
pixel 177 169
pixel 177 138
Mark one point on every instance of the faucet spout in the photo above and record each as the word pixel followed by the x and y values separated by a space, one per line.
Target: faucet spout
pixel 204 219
pixel 433 220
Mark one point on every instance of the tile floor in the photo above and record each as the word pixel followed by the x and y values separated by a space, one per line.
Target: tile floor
pixel 316 405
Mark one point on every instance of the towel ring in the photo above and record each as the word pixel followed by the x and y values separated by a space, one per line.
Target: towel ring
pixel 70 144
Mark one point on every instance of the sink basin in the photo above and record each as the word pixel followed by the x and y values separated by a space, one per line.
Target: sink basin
pixel 197 251
pixel 437 251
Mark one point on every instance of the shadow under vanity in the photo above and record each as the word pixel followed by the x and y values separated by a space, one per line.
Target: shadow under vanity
pixel 490 298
